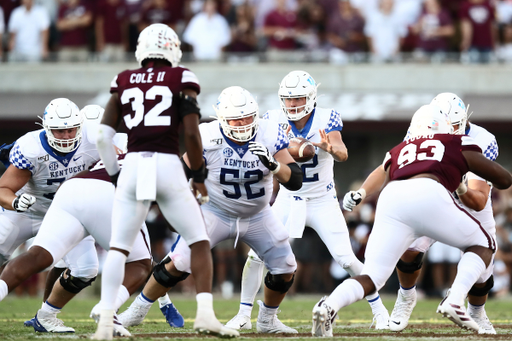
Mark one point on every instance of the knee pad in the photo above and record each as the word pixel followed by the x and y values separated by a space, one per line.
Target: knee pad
pixel 277 283
pixel 163 277
pixel 483 290
pixel 74 284
pixel 411 267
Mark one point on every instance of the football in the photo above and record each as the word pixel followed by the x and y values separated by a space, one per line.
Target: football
pixel 301 149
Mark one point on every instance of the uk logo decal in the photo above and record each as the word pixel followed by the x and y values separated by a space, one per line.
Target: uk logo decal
pixel 53 166
pixel 228 152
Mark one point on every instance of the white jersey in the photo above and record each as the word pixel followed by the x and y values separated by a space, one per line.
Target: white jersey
pixel 49 170
pixel 238 182
pixel 487 142
pixel 318 172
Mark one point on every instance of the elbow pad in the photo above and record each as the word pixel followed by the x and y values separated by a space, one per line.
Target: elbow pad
pixel 295 182
pixel 188 171
pixel 188 105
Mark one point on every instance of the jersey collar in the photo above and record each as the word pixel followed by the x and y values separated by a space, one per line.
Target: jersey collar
pixel 304 131
pixel 62 159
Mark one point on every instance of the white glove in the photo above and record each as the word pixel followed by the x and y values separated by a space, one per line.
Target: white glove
pixel 353 198
pixel 202 200
pixel 264 155
pixel 463 186
pixel 23 202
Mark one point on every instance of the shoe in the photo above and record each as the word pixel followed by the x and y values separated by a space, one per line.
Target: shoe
pixel 105 329
pixel 48 323
pixel 119 329
pixel 324 318
pixel 270 324
pixel 29 323
pixel 134 315
pixel 381 320
pixel 207 323
pixel 240 322
pixel 402 311
pixel 486 326
pixel 456 312
pixel 172 316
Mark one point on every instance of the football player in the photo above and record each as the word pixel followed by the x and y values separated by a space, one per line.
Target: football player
pixel 69 217
pixel 315 204
pixel 152 102
pixel 475 196
pixel 242 156
pixel 420 174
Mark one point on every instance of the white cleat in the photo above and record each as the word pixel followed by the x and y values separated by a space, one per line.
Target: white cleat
pixel 402 311
pixel 240 322
pixel 105 329
pixel 134 315
pixel 207 323
pixel 45 322
pixel 486 326
pixel 456 312
pixel 270 324
pixel 381 320
pixel 323 319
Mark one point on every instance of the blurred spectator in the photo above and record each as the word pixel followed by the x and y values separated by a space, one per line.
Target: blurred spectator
pixel 434 29
pixel 384 31
pixel 504 11
pixel 28 29
pixel 264 7
pixel 504 51
pixel 478 30
pixel 208 32
pixel 111 28
pixel 243 33
pixel 443 261
pixel 345 32
pixel 281 29
pixel 156 11
pixel 74 22
pixel 2 29
pixel 312 36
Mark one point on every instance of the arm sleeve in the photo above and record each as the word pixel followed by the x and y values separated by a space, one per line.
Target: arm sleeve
pixel 106 148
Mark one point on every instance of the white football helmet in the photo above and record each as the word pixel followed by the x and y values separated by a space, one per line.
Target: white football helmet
pixel 158 41
pixel 235 103
pixel 61 113
pixel 452 105
pixel 298 84
pixel 429 119
pixel 92 113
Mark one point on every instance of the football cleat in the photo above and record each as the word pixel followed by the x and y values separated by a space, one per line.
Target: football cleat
pixel 323 319
pixel 29 323
pixel 402 311
pixel 134 315
pixel 119 329
pixel 206 323
pixel 381 320
pixel 172 316
pixel 456 312
pixel 482 320
pixel 240 322
pixel 270 324
pixel 48 323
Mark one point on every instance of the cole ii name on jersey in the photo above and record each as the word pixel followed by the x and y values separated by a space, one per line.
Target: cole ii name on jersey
pixel 146 77
pixel 65 172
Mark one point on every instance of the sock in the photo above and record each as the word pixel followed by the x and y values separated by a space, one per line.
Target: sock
pixel 51 309
pixel 251 282
pixel 376 304
pixel 122 296
pixel 143 301
pixel 114 267
pixel 470 267
pixel 475 310
pixel 164 300
pixel 4 290
pixel 266 310
pixel 204 301
pixel 346 293
pixel 407 292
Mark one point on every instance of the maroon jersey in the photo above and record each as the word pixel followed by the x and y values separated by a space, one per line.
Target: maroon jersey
pixel 98 170
pixel 440 155
pixel 149 99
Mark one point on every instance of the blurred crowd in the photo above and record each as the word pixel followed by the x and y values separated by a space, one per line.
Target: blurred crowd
pixel 336 31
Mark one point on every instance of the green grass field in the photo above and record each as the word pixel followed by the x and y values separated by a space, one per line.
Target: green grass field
pixel 353 322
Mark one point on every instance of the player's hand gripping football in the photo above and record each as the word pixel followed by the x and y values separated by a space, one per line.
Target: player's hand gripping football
pixel 264 155
pixel 23 202
pixel 353 198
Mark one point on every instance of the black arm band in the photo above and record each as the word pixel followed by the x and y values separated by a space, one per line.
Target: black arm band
pixel 199 175
pixel 295 182
pixel 188 105
pixel 188 171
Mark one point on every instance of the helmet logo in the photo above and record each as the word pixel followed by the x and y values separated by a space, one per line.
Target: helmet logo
pixel 311 81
